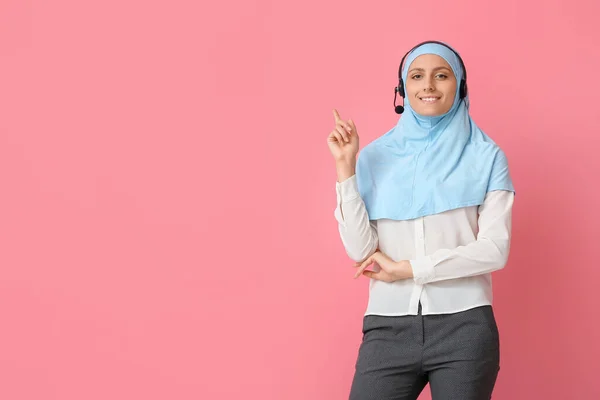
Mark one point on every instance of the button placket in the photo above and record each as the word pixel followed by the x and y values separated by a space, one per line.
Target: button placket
pixel 419 252
pixel 420 237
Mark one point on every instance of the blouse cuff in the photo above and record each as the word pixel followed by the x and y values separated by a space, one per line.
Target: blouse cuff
pixel 347 190
pixel 423 270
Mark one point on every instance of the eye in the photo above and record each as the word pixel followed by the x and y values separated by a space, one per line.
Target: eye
pixel 441 76
pixel 416 76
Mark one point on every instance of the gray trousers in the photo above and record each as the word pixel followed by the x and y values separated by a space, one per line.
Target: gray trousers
pixel 457 354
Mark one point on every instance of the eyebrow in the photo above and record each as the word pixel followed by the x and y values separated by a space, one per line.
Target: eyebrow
pixel 423 70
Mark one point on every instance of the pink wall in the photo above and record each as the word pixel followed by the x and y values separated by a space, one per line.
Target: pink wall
pixel 166 217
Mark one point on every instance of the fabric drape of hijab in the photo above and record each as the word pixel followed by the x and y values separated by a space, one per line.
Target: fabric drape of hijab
pixel 426 165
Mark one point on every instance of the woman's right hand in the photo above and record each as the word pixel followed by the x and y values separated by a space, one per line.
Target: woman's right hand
pixel 343 140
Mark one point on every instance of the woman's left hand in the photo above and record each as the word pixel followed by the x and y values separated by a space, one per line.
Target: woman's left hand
pixel 389 271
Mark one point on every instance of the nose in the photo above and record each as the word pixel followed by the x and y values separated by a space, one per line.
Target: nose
pixel 429 84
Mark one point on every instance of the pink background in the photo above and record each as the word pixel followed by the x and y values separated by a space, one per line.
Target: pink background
pixel 166 217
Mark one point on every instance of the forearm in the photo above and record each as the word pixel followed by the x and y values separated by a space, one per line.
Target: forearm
pixel 480 257
pixel 345 169
pixel 358 236
pixel 488 253
pixel 357 232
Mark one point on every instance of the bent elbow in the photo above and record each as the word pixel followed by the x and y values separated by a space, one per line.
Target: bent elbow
pixel 501 256
pixel 503 259
pixel 500 264
pixel 497 252
pixel 361 255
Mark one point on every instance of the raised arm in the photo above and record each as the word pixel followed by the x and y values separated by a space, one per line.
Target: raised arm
pixel 358 234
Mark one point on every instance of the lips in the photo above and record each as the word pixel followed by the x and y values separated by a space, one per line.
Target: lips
pixel 429 99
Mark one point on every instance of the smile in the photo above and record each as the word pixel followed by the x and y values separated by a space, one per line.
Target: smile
pixel 429 100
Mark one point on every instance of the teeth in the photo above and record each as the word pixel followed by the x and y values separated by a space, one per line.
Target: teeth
pixel 429 98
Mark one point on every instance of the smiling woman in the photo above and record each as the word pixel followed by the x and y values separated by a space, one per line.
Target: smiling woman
pixel 434 230
pixel 432 84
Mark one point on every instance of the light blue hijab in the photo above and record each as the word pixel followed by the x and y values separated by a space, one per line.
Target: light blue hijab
pixel 427 165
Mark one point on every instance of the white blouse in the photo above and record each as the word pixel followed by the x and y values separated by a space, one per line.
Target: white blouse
pixel 452 253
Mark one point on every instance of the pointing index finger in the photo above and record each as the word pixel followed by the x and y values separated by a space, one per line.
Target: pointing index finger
pixel 336 115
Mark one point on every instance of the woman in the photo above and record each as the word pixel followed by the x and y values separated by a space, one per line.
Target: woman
pixel 428 205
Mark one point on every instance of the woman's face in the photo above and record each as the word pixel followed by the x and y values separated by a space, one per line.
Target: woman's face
pixel 430 85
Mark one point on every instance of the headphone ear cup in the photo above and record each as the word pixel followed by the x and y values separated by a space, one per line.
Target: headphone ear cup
pixel 401 88
pixel 463 88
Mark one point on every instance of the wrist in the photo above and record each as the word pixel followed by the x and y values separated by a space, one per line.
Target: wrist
pixel 346 162
pixel 404 269
pixel 345 169
pixel 409 270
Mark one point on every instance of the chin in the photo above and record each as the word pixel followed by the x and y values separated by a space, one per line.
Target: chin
pixel 428 112
pixel 432 110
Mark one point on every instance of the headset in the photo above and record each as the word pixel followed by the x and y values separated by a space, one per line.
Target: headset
pixel 400 88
